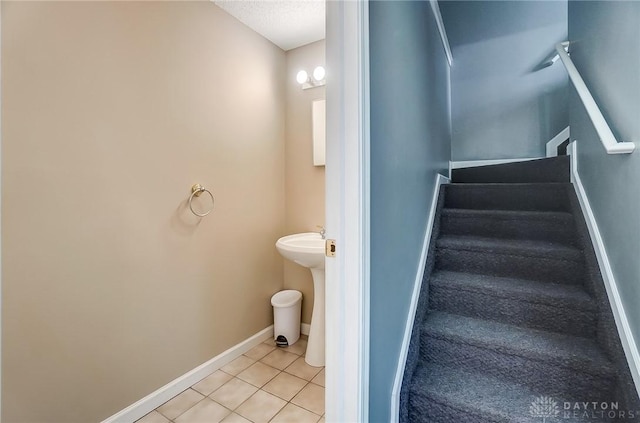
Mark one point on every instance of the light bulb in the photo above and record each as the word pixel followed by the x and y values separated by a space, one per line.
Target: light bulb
pixel 318 73
pixel 302 77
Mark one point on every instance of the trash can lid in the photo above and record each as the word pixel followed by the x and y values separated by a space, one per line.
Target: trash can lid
pixel 286 298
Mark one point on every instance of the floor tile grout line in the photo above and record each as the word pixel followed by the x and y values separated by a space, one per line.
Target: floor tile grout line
pixel 206 397
pixel 303 386
pixel 317 384
pixel 250 398
pixel 285 370
pixel 259 389
pixel 313 412
pixel 233 410
pixel 202 399
pixel 296 405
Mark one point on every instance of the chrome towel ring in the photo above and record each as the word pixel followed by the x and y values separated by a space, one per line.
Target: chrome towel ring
pixel 196 191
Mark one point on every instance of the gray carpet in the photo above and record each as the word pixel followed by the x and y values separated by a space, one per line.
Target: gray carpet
pixel 513 308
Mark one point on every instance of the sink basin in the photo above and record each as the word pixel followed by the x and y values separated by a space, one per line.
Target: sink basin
pixel 305 249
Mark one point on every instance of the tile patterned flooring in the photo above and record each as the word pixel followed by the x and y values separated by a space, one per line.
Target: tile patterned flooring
pixel 266 384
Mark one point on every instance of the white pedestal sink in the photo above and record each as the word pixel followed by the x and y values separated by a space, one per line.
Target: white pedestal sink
pixel 307 250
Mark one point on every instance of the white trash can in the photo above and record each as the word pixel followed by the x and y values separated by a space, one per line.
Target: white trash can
pixel 286 317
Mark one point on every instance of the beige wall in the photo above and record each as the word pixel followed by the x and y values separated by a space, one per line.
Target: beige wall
pixel 304 182
pixel 111 111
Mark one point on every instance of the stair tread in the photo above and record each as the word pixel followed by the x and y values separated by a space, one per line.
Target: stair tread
pixel 509 214
pixel 570 296
pixel 571 351
pixel 476 394
pixel 520 247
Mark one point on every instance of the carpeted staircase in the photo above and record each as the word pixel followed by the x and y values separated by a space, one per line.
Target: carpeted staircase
pixel 513 322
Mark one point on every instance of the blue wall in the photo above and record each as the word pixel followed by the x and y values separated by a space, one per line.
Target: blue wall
pixel 503 104
pixel 606 50
pixel 410 144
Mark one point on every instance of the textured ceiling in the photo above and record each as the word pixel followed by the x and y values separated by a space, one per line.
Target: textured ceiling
pixel 286 23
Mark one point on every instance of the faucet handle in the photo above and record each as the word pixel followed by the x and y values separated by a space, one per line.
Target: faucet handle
pixel 322 231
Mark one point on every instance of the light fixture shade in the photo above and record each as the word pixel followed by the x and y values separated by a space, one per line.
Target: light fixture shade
pixel 319 73
pixel 302 77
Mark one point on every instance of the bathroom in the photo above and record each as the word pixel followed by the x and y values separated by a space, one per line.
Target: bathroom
pixel 111 112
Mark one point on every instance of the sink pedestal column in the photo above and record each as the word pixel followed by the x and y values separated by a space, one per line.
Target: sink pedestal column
pixel 315 346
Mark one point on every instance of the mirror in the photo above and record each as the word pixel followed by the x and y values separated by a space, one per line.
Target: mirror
pixel 318 114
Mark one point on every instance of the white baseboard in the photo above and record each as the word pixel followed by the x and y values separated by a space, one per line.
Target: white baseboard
pixel 552 146
pixel 622 323
pixel 397 385
pixel 155 399
pixel 476 163
pixel 304 328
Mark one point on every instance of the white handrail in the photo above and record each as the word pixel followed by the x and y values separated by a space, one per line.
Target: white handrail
pixel 607 138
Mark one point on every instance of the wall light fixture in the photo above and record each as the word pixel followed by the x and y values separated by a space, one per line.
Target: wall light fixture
pixel 316 79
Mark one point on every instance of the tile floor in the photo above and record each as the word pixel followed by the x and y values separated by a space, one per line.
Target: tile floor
pixel 266 384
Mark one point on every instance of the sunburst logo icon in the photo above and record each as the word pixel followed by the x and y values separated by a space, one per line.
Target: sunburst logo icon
pixel 544 408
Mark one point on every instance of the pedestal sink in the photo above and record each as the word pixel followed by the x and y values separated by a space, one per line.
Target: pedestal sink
pixel 307 250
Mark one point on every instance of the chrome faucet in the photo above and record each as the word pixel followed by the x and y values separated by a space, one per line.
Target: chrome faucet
pixel 322 231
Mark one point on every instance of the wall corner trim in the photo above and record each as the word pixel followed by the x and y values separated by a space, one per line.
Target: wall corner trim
pixel 404 350
pixel 443 33
pixel 622 323
pixel 554 143
pixel 155 399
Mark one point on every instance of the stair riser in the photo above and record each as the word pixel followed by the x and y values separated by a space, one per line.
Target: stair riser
pixel 577 383
pixel 556 318
pixel 546 170
pixel 532 268
pixel 507 197
pixel 560 231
